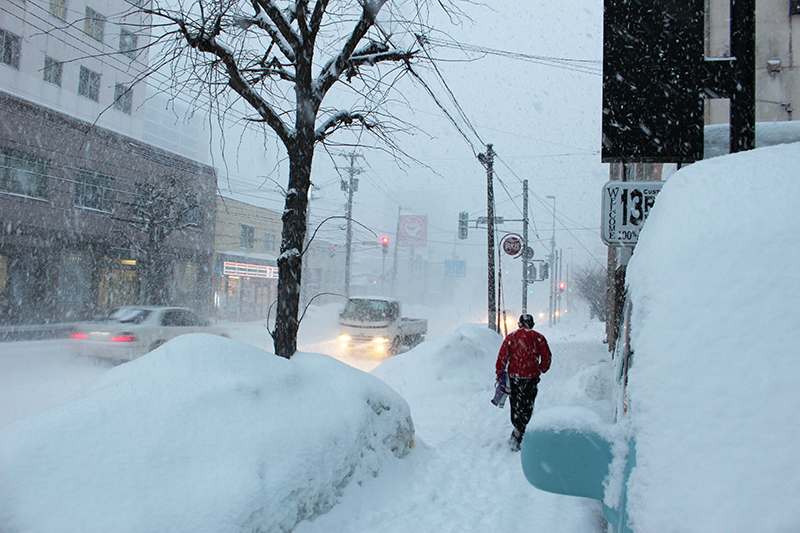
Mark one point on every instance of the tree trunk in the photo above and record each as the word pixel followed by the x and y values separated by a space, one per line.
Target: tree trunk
pixel 292 238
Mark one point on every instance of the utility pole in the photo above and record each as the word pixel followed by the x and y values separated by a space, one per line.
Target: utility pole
pixel 350 187
pixel 487 160
pixel 525 246
pixel 552 269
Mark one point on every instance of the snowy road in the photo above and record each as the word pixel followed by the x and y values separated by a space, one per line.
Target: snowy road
pixel 461 475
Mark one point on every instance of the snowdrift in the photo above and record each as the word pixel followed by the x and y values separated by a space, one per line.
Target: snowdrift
pixel 202 434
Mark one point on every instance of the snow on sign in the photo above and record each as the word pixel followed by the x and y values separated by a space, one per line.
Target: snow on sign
pixel 626 205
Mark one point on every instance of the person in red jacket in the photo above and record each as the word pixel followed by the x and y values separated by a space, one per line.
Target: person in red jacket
pixel 525 355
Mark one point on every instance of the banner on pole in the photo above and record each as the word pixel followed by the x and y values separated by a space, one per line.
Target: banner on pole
pixel 412 230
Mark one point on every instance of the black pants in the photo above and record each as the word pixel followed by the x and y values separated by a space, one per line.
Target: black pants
pixel 523 394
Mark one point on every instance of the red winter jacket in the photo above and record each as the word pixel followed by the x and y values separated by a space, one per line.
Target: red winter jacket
pixel 525 354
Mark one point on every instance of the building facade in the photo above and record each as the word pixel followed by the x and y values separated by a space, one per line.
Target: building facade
pixel 777 32
pixel 72 167
pixel 246 247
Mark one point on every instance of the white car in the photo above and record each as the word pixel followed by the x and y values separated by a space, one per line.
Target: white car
pixel 132 331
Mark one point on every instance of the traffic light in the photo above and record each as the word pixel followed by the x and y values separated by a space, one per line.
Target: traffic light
pixel 463 225
pixel 385 242
pixel 531 275
pixel 544 270
pixel 561 286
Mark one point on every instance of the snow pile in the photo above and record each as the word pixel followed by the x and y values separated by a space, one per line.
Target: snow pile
pixel 716 329
pixel 203 434
pixel 463 360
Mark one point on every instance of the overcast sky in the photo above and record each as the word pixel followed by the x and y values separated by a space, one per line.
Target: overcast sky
pixel 529 82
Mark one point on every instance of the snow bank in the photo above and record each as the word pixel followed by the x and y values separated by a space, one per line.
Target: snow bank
pixel 203 434
pixel 716 330
pixel 463 360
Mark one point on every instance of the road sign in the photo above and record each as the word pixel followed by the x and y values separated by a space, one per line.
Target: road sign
pixel 528 253
pixel 455 268
pixel 626 205
pixel 512 245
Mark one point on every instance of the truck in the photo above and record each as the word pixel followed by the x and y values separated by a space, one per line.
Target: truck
pixel 374 324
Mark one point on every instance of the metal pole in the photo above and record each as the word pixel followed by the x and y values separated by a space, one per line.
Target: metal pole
pixel 743 96
pixel 525 246
pixel 552 261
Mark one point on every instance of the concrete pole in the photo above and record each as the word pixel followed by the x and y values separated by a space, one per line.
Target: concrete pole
pixel 525 246
pixel 492 303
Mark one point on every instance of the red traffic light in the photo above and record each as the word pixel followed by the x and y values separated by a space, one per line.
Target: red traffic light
pixel 385 242
pixel 562 286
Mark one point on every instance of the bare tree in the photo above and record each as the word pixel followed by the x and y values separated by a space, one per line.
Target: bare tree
pixel 282 58
pixel 590 285
pixel 159 209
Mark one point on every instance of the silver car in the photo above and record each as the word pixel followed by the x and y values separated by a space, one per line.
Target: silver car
pixel 132 331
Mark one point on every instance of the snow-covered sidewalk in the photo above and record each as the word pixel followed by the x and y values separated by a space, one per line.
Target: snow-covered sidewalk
pixel 460 475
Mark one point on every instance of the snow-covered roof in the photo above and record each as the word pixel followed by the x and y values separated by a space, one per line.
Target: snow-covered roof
pixel 717 137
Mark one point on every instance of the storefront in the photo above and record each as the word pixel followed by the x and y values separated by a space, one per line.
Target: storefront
pixel 245 286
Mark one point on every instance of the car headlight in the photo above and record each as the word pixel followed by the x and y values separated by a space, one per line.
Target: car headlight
pixel 380 340
pixel 344 337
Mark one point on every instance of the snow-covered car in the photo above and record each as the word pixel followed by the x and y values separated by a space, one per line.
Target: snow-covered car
pixel 707 414
pixel 132 331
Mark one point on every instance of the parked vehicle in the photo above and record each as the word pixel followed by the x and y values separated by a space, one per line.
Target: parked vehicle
pixel 376 325
pixel 132 331
pixel 707 408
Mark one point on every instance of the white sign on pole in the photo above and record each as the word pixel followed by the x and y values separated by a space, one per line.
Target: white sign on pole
pixel 626 205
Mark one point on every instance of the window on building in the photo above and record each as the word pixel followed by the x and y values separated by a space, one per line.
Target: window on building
pixel 128 43
pixel 89 84
pixel 53 70
pixel 123 98
pixel 269 242
pixel 23 174
pixel 94 24
pixel 10 47
pixel 58 8
pixel 94 190
pixel 247 236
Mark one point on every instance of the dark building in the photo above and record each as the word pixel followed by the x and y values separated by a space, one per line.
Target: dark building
pixel 69 244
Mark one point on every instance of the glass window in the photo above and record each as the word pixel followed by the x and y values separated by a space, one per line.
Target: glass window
pixel 89 84
pixel 53 70
pixel 371 310
pixel 123 98
pixel 58 8
pixel 247 236
pixel 269 242
pixel 128 43
pixel 94 190
pixel 10 46
pixel 23 174
pixel 94 24
pixel 129 315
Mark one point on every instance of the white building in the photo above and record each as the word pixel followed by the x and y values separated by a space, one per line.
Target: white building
pixel 80 57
